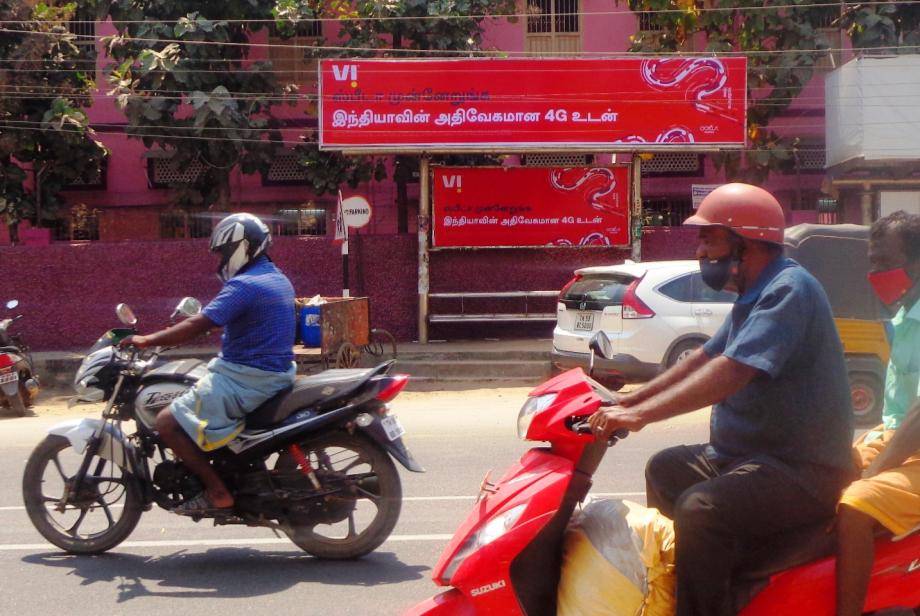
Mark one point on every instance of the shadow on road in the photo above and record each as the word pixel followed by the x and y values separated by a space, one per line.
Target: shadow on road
pixel 225 572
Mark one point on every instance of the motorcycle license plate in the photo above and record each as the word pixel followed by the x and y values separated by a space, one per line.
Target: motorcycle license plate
pixel 584 321
pixel 12 377
pixel 392 427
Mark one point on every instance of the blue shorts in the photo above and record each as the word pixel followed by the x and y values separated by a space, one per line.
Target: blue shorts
pixel 213 412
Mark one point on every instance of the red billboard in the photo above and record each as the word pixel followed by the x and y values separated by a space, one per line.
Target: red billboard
pixel 532 103
pixel 530 206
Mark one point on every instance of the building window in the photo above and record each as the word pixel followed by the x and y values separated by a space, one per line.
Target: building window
pixel 807 159
pixel 292 61
pixel 81 224
pixel 553 26
pixel 93 179
pixel 647 22
pixel 306 219
pixel 673 163
pixel 285 170
pixel 166 172
pixel 557 160
pixel 665 211
pixel 83 27
pixel 181 225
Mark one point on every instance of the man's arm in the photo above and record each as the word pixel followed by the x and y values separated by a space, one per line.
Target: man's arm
pixel 713 382
pixel 180 333
pixel 667 379
pixel 904 444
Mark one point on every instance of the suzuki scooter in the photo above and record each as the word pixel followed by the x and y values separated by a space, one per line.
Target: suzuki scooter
pixel 505 558
pixel 18 383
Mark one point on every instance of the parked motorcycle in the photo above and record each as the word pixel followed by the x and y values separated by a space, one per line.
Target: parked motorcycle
pixel 18 383
pixel 506 556
pixel 314 462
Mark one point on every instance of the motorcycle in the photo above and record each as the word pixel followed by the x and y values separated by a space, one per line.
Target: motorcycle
pixel 18 384
pixel 506 556
pixel 314 462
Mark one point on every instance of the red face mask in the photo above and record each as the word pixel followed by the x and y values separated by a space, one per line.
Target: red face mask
pixel 890 285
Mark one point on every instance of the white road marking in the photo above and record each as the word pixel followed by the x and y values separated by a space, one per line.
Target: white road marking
pixel 189 543
pixel 420 499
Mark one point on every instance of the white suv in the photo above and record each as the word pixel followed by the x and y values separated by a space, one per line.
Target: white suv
pixel 654 313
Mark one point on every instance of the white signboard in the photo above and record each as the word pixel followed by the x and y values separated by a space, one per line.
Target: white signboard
pixel 357 212
pixel 699 191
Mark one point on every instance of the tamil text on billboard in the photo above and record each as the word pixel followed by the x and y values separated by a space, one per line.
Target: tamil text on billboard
pixel 530 206
pixel 532 104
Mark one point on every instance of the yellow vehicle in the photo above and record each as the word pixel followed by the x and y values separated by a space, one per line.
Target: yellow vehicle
pixel 837 255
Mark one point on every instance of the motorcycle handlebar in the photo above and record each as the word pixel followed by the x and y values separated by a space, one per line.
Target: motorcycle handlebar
pixel 581 426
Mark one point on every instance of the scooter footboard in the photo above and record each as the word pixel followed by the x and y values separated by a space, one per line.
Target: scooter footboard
pixel 448 603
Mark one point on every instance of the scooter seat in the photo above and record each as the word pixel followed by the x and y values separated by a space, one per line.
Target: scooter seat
pixel 319 392
pixel 787 550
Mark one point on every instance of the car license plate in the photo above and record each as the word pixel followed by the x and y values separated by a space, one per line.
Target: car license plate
pixel 584 322
pixel 12 377
pixel 392 427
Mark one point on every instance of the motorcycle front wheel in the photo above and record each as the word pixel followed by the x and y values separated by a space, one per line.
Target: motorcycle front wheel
pixel 363 509
pixel 93 519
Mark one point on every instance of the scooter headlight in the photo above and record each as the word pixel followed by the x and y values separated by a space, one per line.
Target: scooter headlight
pixel 489 532
pixel 534 405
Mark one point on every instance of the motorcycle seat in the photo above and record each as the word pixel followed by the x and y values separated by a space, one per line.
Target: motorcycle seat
pixel 318 392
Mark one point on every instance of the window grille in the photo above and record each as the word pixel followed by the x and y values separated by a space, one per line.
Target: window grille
pixel 811 158
pixel 553 26
pixel 672 163
pixel 665 211
pixel 647 22
pixel 557 160
pixel 307 220
pixel 84 29
pixel 286 169
pixel 167 172
pixel 81 224
pixel 93 177
pixel 177 224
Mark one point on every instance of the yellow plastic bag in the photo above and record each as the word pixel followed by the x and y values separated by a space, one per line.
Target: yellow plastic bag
pixel 618 560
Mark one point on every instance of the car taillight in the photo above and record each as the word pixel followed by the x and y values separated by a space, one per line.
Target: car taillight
pixel 392 386
pixel 5 361
pixel 568 286
pixel 633 307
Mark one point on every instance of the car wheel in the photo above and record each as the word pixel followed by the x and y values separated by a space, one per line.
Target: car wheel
pixel 867 396
pixel 682 350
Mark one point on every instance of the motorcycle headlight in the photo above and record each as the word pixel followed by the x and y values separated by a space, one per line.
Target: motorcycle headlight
pixel 489 532
pixel 534 405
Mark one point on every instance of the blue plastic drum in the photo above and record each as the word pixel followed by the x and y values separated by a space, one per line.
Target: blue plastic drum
pixel 311 332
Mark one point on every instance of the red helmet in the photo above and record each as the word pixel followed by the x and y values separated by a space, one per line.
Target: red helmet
pixel 747 210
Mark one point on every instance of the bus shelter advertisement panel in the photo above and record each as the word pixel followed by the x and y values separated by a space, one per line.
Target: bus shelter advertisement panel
pixel 530 206
pixel 527 104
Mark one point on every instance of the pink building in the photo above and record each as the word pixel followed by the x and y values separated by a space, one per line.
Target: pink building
pixel 131 201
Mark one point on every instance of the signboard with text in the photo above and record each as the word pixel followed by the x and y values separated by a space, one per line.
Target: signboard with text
pixel 530 206
pixel 532 104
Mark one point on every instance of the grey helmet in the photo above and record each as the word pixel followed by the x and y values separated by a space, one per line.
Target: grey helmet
pixel 240 239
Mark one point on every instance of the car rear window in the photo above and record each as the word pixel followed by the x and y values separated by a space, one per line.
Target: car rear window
pixel 597 291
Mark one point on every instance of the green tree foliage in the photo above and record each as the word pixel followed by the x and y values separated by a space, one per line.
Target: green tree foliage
pixel 893 27
pixel 188 87
pixel 45 83
pixel 774 79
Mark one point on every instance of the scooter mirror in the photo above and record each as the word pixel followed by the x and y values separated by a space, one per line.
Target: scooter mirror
pixel 600 345
pixel 126 315
pixel 12 304
pixel 188 307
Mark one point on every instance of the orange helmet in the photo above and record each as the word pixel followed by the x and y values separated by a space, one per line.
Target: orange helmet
pixel 747 210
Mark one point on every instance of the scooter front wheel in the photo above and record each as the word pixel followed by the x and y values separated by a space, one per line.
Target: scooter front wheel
pixel 89 519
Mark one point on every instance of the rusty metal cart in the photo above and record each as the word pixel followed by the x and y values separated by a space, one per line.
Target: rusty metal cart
pixel 347 339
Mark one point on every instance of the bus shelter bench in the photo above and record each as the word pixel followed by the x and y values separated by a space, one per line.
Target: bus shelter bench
pixel 503 296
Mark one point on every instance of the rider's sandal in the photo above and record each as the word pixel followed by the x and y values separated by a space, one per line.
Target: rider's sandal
pixel 200 506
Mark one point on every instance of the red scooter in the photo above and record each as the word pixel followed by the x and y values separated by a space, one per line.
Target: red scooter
pixel 505 558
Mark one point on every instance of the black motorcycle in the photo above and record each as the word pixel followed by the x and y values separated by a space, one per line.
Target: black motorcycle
pixel 18 383
pixel 314 462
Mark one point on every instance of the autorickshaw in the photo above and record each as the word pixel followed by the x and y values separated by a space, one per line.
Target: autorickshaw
pixel 837 255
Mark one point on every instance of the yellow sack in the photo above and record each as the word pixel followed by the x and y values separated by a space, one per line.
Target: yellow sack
pixel 618 560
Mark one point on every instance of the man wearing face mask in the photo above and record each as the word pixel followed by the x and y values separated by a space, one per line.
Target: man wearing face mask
pixel 889 456
pixel 779 449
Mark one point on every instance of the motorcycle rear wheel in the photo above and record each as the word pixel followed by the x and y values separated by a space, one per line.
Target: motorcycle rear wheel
pixel 384 490
pixel 99 493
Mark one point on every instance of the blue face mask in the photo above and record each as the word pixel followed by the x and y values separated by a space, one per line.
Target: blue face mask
pixel 717 272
